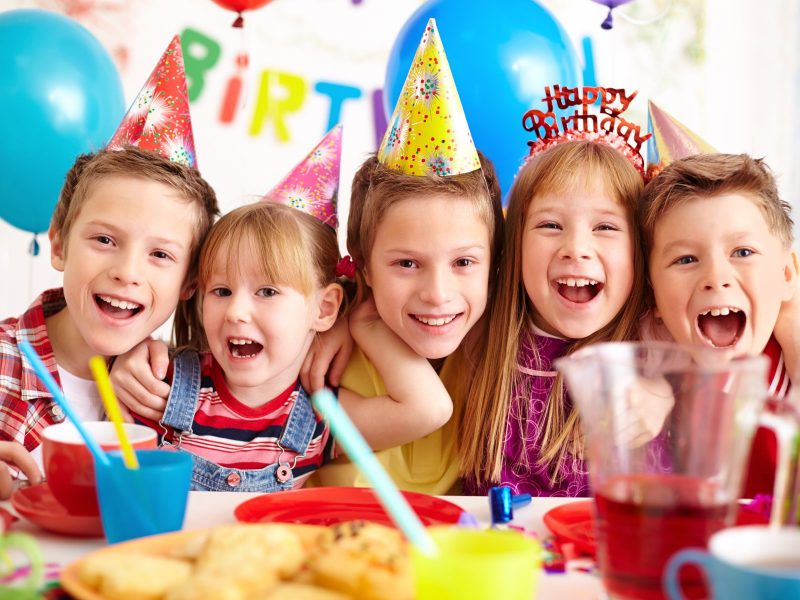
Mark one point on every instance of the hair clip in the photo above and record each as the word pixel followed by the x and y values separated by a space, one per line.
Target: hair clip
pixel 346 267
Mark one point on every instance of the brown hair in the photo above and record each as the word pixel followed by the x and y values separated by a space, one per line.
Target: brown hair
pixel 376 188
pixel 706 175
pixel 292 247
pixel 566 167
pixel 130 161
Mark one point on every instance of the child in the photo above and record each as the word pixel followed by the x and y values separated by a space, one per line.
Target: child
pixel 572 274
pixel 125 233
pixel 424 230
pixel 719 245
pixel 267 285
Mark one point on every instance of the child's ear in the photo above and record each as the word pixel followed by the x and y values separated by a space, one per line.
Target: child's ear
pixel 57 250
pixel 791 273
pixel 188 290
pixel 330 299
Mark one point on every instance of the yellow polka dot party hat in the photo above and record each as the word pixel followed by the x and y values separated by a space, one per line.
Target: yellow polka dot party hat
pixel 428 131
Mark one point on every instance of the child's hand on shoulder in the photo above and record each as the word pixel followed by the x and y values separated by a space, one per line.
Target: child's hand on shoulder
pixel 137 377
pixel 327 358
pixel 649 401
pixel 15 456
pixel 787 333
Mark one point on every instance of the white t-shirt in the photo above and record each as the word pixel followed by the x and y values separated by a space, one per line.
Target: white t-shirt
pixel 84 399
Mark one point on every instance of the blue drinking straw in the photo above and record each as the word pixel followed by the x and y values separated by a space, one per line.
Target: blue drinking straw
pixel 361 454
pixel 58 396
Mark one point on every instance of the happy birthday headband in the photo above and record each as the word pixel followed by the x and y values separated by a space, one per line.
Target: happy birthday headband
pixel 584 123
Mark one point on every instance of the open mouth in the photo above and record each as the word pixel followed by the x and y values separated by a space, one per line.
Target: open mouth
pixel 578 289
pixel 438 321
pixel 722 327
pixel 114 307
pixel 243 348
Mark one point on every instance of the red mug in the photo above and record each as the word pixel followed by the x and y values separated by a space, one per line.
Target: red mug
pixel 69 466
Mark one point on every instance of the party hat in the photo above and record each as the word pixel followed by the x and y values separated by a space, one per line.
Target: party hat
pixel 428 132
pixel 158 119
pixel 313 185
pixel 671 140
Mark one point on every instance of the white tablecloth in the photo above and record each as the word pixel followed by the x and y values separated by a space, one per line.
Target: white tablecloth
pixel 207 509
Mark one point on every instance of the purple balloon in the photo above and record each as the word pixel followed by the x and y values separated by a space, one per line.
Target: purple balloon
pixel 611 4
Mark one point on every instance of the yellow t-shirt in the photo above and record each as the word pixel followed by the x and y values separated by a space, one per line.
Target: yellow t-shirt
pixel 428 465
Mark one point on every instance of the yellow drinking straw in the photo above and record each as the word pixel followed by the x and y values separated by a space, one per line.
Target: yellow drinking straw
pixel 98 366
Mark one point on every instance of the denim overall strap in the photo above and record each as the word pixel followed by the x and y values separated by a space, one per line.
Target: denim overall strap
pixel 300 425
pixel 185 392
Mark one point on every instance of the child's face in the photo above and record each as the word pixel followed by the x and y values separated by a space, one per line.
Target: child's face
pixel 719 275
pixel 124 262
pixel 429 272
pixel 577 261
pixel 257 330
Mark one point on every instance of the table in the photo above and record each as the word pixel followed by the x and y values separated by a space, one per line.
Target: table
pixel 206 509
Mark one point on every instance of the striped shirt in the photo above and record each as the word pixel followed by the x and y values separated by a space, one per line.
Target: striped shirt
pixel 26 407
pixel 231 434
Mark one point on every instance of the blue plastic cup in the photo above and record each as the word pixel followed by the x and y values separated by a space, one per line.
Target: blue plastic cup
pixel 146 501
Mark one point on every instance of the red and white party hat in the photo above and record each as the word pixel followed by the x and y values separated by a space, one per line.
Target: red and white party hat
pixel 428 131
pixel 313 185
pixel 158 119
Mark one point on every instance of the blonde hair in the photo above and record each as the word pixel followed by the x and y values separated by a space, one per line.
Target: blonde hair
pixel 292 247
pixel 567 167
pixel 89 169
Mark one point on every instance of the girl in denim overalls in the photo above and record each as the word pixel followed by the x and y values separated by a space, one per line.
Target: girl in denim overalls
pixel 267 284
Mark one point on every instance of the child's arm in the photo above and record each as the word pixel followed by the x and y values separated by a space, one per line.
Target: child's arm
pixel 787 333
pixel 648 404
pixel 416 403
pixel 137 377
pixel 14 455
pixel 328 356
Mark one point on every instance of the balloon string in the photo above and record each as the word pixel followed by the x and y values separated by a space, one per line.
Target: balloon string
pixel 658 16
pixel 243 65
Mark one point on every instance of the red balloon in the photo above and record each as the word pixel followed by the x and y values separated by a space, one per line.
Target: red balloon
pixel 240 6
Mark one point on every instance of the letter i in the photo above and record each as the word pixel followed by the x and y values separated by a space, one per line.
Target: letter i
pixel 233 91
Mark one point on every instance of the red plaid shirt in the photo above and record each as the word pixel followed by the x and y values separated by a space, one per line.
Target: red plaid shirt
pixel 26 407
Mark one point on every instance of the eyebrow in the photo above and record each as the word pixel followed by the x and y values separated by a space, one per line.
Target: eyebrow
pixel 689 243
pixel 461 250
pixel 158 241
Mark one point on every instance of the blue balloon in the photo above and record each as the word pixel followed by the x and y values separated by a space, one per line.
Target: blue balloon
pixel 60 96
pixel 502 55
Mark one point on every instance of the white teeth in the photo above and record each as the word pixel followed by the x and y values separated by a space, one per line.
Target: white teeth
pixel 119 303
pixel 436 322
pixel 722 311
pixel 240 341
pixel 576 281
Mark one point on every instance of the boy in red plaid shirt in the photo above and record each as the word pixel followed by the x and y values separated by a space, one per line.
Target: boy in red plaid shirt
pixel 125 233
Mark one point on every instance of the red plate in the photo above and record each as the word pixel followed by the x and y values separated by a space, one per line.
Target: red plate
pixel 37 504
pixel 574 522
pixel 330 505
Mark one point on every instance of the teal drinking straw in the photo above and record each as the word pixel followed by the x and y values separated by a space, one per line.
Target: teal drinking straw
pixel 58 396
pixel 360 453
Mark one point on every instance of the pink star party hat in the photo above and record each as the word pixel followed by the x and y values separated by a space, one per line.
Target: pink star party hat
pixel 671 140
pixel 158 119
pixel 428 131
pixel 313 185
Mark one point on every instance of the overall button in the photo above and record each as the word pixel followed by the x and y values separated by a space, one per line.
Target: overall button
pixel 283 473
pixel 57 412
pixel 234 479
